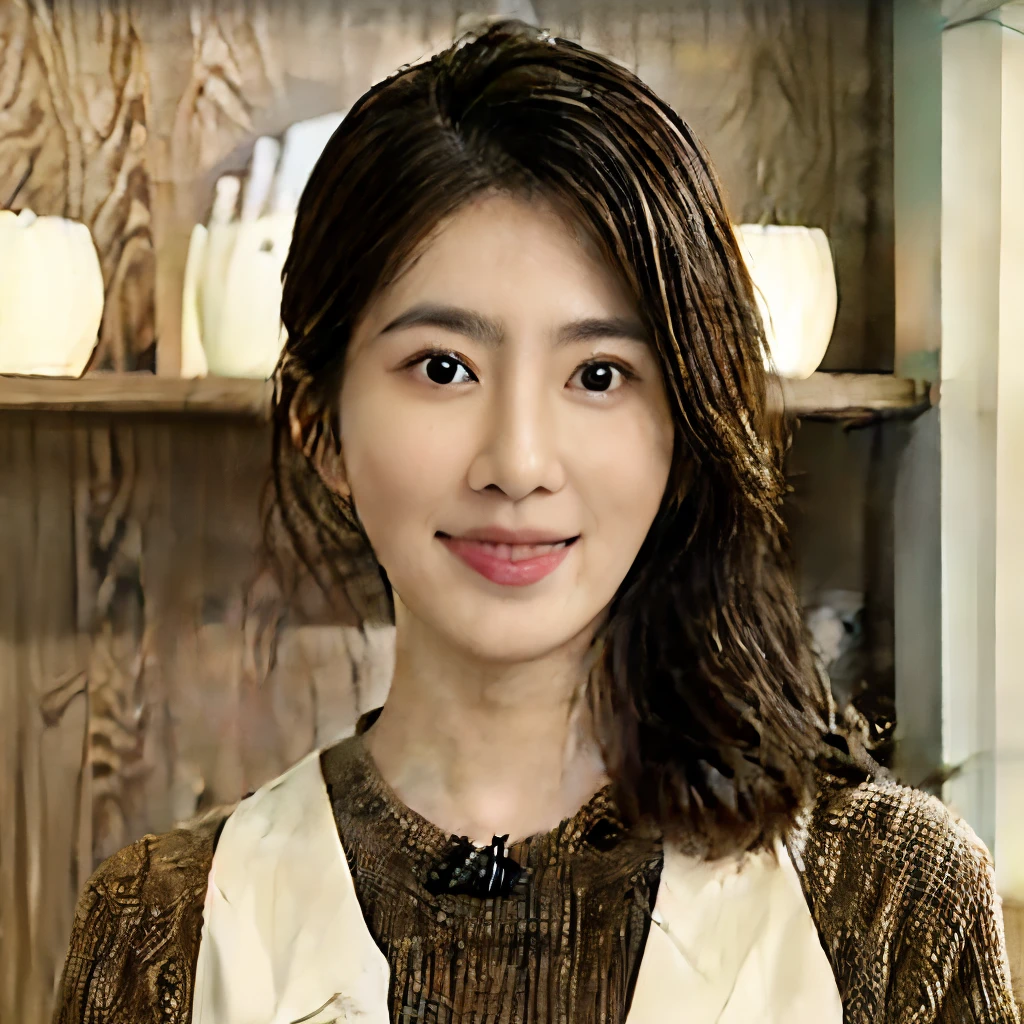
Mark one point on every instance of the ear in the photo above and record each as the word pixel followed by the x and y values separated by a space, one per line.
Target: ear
pixel 315 433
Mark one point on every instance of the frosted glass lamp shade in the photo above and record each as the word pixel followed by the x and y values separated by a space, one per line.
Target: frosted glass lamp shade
pixel 231 300
pixel 249 336
pixel 795 283
pixel 51 295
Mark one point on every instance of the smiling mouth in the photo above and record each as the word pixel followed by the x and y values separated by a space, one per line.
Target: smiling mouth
pixel 513 552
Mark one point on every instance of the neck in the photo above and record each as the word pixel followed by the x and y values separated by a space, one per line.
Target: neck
pixel 483 749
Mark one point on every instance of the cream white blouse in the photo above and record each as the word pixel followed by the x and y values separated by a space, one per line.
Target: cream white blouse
pixel 284 940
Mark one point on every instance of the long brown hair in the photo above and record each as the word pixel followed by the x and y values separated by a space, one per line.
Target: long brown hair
pixel 708 703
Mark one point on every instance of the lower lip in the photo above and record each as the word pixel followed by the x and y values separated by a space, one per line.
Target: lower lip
pixel 481 557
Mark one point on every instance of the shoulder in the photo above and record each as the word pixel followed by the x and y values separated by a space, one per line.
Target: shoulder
pixel 137 926
pixel 160 869
pixel 896 828
pixel 150 878
pixel 876 850
pixel 903 894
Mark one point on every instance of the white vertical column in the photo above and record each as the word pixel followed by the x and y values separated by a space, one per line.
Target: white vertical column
pixel 1009 659
pixel 917 208
pixel 970 288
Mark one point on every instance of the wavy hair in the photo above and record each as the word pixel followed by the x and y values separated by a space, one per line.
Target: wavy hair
pixel 707 699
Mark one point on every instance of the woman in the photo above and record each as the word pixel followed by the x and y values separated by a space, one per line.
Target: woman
pixel 523 389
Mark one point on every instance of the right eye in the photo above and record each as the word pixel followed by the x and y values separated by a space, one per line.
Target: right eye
pixel 443 368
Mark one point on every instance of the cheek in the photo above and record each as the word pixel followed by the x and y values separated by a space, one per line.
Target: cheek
pixel 625 466
pixel 400 468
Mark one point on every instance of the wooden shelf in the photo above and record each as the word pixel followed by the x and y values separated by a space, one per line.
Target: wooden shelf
pixel 853 395
pixel 823 395
pixel 137 393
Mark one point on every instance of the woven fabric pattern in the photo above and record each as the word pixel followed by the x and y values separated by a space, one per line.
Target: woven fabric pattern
pixel 530 957
pixel 902 894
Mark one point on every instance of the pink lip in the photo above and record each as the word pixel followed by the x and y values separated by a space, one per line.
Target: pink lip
pixel 480 556
pixel 501 535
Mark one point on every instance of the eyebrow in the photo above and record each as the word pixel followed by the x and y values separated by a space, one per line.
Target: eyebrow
pixel 490 333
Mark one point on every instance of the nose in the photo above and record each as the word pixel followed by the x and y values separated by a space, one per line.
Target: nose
pixel 519 448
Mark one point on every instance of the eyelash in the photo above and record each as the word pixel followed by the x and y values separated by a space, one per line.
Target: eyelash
pixel 432 353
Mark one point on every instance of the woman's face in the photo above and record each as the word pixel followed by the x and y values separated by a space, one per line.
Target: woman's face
pixel 507 428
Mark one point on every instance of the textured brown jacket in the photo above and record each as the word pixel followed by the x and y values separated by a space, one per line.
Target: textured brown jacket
pixel 901 891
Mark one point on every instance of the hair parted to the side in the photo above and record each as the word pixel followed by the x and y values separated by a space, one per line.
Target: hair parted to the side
pixel 707 698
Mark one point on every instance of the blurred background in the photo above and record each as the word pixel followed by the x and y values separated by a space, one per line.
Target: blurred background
pixel 151 154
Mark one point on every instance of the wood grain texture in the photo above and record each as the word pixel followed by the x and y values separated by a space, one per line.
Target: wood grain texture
pixel 122 115
pixel 138 393
pixel 793 102
pixel 147 668
pixel 73 131
pixel 839 395
pixel 228 73
pixel 42 721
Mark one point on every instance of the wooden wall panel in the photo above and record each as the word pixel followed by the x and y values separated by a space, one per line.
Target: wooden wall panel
pixel 236 71
pixel 147 667
pixel 138 683
pixel 794 103
pixel 73 130
pixel 123 114
pixel 792 100
pixel 41 736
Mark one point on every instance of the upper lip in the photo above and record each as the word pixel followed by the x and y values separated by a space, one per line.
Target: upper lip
pixel 500 535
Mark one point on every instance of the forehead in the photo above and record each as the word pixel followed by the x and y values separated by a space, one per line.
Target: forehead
pixel 511 258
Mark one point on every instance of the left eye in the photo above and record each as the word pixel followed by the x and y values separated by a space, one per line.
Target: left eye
pixel 599 377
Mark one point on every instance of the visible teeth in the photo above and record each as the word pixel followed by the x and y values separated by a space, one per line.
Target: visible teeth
pixel 520 552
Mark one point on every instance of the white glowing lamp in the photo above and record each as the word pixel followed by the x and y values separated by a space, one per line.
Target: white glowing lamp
pixel 795 282
pixel 51 295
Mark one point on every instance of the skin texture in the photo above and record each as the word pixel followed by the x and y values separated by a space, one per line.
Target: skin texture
pixel 486 675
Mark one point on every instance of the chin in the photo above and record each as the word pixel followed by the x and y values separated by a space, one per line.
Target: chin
pixel 504 652
pixel 514 635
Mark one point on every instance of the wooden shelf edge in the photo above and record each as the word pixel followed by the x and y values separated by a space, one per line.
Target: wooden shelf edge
pixel 852 395
pixel 138 393
pixel 838 395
